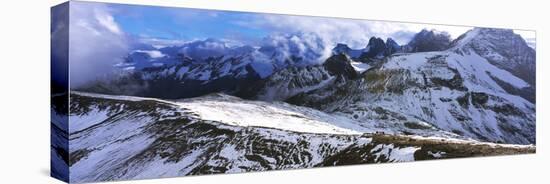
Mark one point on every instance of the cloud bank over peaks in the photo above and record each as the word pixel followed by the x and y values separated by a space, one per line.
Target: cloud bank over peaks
pixel 352 32
pixel 301 48
pixel 97 42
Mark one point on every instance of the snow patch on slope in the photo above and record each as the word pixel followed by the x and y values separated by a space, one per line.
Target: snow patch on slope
pixel 360 67
pixel 279 115
pixel 393 153
pixel 79 123
pixel 477 68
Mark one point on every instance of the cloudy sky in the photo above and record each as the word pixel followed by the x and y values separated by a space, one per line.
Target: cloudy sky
pixel 162 23
pixel 101 34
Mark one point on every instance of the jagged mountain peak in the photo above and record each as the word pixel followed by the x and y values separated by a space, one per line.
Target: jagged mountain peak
pixel 502 48
pixel 429 40
pixel 390 41
pixel 340 65
pixel 491 36
pixel 341 48
pixel 378 49
pixel 427 33
pixel 375 40
pixel 375 43
pixel 392 46
pixel 375 49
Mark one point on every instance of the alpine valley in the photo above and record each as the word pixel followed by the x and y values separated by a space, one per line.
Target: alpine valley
pixel 213 106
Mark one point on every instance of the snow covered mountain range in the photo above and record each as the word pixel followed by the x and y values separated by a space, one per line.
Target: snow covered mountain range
pixel 459 90
pixel 211 106
pixel 480 85
pixel 205 66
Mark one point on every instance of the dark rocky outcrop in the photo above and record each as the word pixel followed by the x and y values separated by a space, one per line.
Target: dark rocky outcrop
pixel 428 40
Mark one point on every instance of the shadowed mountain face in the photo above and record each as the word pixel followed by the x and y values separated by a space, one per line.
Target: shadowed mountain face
pixel 426 41
pixel 340 65
pixel 392 47
pixel 376 49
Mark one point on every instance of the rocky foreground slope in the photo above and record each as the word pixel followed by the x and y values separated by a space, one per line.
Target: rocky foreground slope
pixel 121 137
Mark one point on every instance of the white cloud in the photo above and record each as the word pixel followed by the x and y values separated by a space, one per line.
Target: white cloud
pixel 96 42
pixel 159 43
pixel 106 20
pixel 151 53
pixel 308 45
pixel 353 32
pixel 356 32
pixel 212 45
